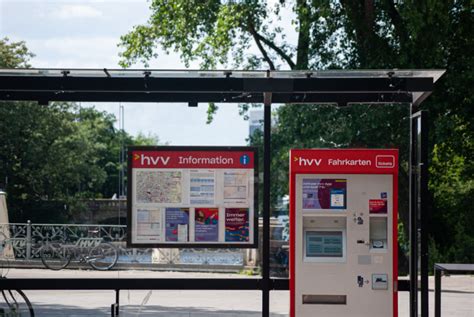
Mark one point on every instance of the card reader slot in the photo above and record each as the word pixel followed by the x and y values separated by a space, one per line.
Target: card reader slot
pixel 325 299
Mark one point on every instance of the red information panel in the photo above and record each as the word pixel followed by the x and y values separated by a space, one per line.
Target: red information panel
pixel 192 197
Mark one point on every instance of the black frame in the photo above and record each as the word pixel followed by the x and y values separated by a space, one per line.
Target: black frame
pixel 222 245
pixel 420 213
pixel 297 87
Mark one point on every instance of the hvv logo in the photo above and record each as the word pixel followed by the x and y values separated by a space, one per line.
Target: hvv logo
pixel 150 160
pixel 307 162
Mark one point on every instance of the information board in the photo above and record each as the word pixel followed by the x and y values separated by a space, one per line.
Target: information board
pixel 192 197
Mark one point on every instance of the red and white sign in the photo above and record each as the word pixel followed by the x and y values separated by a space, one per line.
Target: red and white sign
pixel 354 161
pixel 192 159
pixel 180 196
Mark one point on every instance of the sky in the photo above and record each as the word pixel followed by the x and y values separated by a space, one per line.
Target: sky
pixel 84 34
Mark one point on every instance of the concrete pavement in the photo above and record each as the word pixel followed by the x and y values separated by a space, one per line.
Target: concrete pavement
pixel 458 298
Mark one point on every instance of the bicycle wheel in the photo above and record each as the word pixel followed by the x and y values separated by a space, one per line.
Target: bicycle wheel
pixel 15 303
pixel 55 256
pixel 103 257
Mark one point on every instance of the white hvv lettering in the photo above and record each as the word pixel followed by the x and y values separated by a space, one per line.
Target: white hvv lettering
pixel 309 162
pixel 147 160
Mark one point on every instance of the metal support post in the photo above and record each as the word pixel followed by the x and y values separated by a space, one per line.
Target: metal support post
pixel 413 226
pixel 266 206
pixel 114 308
pixel 424 210
pixel 419 213
pixel 437 274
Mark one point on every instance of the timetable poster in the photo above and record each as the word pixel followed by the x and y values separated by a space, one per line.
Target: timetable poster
pixel 149 224
pixel 324 193
pixel 177 224
pixel 201 190
pixel 206 224
pixel 237 224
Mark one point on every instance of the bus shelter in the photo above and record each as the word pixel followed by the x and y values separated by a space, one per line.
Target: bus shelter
pixel 342 88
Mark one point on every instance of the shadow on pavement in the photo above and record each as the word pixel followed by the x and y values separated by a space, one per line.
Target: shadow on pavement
pixel 43 310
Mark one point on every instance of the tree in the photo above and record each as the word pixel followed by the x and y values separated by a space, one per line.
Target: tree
pixel 14 54
pixel 342 34
pixel 55 155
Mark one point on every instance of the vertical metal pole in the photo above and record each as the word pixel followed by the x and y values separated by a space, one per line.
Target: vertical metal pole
pixel 413 227
pixel 117 302
pixel 121 191
pixel 437 274
pixel 423 209
pixel 28 240
pixel 266 207
pixel 120 166
pixel 122 151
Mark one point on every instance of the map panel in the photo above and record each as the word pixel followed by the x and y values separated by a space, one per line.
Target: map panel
pixel 162 187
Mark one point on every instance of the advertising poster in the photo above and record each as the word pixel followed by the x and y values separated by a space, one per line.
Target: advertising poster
pixel 202 184
pixel 237 224
pixel 149 224
pixel 378 206
pixel 177 224
pixel 206 226
pixel 324 193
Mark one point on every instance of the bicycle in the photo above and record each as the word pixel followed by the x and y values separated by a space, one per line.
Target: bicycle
pixel 98 254
pixel 15 302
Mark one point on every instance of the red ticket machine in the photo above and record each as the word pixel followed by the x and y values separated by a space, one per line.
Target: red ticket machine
pixel 343 232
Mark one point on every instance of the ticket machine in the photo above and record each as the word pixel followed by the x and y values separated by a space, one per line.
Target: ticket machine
pixel 343 232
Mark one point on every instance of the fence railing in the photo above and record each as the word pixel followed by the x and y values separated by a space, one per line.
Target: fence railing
pixel 27 239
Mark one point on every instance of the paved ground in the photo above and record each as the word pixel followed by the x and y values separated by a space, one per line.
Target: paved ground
pixel 458 298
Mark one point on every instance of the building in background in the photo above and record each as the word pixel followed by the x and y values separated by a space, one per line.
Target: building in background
pixel 255 121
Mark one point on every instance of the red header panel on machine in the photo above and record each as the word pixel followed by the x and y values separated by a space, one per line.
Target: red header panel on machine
pixel 358 161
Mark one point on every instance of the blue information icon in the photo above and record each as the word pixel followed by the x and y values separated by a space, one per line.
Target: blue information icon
pixel 244 159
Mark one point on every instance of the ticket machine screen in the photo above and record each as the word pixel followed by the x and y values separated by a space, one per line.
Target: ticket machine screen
pixel 327 244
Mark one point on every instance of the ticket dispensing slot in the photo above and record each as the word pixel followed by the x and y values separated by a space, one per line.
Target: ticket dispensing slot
pixel 378 233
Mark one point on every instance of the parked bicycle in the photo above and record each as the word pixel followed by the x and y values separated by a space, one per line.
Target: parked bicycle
pixel 13 302
pixel 100 255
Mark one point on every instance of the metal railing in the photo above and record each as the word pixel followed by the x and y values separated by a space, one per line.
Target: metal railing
pixel 28 238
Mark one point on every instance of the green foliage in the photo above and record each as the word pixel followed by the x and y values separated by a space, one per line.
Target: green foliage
pixel 211 31
pixel 344 34
pixel 452 185
pixel 14 54
pixel 52 156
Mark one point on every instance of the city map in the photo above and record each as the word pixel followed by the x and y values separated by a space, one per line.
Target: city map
pixel 159 187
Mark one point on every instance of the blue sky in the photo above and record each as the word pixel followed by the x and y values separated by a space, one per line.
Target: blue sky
pixel 84 34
